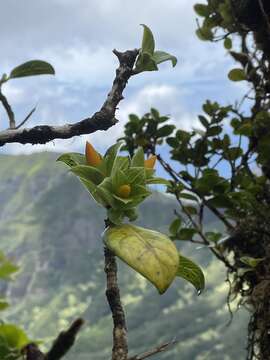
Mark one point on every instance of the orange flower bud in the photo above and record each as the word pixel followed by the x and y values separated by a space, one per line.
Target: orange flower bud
pixel 150 162
pixel 92 156
pixel 124 191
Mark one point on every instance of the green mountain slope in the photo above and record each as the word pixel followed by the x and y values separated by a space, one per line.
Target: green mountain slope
pixel 52 228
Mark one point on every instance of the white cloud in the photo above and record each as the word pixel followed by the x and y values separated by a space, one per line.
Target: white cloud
pixel 77 38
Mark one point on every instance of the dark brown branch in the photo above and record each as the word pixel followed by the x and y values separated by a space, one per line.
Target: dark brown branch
pixel 120 347
pixel 8 109
pixel 101 120
pixel 157 350
pixel 265 17
pixel 60 347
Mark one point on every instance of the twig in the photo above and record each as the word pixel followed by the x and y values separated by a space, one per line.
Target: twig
pixel 8 109
pixel 101 120
pixel 60 347
pixel 266 19
pixel 158 349
pixel 120 346
pixel 26 118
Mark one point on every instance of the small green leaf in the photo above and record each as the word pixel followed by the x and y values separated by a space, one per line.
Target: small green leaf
pixel 202 10
pixel 250 261
pixel 31 68
pixel 7 269
pixel 175 225
pixel 72 159
pixel 88 172
pixel 204 33
pixel 161 56
pixel 158 180
pixel 164 131
pixel 186 234
pixel 145 62
pixel 138 158
pixel 12 340
pixel 148 41
pixel 111 155
pixel 228 43
pixel 115 216
pixel 191 272
pixel 237 75
pixel 148 252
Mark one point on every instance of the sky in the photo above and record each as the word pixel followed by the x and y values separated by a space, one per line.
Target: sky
pixel 77 37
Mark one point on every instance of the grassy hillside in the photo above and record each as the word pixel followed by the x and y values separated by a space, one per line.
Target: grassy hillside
pixel 51 227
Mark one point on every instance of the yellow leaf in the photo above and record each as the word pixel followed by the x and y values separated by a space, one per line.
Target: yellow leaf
pixel 92 156
pixel 150 162
pixel 149 252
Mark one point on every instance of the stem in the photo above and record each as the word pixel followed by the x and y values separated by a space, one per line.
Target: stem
pixel 120 346
pixel 8 109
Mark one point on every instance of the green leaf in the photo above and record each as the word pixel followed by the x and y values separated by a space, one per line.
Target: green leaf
pixel 138 158
pixel 237 75
pixel 88 172
pixel 72 159
pixel 111 155
pixel 161 56
pixel 214 130
pixel 202 10
pixel 115 216
pixel 92 189
pixel 158 180
pixel 203 121
pixel 145 62
pixel 31 68
pixel 164 131
pixel 148 252
pixel 7 269
pixel 228 43
pixel 188 196
pixel 135 175
pixel 148 41
pixel 12 340
pixel 175 225
pixel 191 272
pixel 204 34
pixel 250 261
pixel 131 214
pixel 186 234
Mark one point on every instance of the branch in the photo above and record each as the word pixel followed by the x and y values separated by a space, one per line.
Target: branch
pixel 154 351
pixel 265 16
pixel 8 109
pixel 60 347
pixel 101 120
pixel 120 347
pixel 26 118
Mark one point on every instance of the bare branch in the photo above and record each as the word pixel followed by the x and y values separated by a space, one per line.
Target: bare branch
pixel 120 346
pixel 101 120
pixel 60 347
pixel 8 109
pixel 265 16
pixel 157 350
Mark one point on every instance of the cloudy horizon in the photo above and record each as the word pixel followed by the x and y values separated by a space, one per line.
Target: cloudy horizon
pixel 77 38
